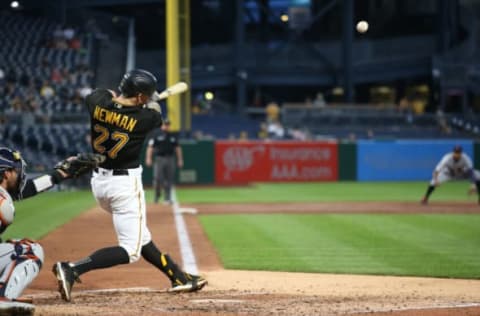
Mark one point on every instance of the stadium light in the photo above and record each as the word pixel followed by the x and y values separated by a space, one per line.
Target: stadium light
pixel 284 18
pixel 14 4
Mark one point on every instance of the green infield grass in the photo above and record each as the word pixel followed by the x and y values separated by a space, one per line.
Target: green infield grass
pixel 326 191
pixel 38 215
pixel 414 245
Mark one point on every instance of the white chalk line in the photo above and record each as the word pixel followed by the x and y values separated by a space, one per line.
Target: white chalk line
pixel 186 249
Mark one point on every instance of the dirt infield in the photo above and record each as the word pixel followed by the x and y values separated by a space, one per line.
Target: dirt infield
pixel 140 289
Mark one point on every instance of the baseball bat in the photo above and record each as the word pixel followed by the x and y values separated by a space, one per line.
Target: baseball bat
pixel 177 88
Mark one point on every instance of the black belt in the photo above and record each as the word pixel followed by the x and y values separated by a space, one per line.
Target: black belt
pixel 164 155
pixel 116 172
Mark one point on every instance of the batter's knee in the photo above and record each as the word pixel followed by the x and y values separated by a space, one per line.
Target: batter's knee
pixel 133 254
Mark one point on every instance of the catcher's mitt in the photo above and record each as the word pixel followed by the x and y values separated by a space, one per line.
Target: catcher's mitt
pixel 79 164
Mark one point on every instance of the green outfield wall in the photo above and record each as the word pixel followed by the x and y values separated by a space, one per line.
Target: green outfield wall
pixel 199 162
pixel 198 168
pixel 347 161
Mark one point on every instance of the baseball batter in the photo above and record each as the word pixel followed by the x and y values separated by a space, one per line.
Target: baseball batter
pixel 21 259
pixel 454 166
pixel 119 126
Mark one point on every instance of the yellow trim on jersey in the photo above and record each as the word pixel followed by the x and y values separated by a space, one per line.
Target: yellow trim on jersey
pixel 121 120
pixel 139 240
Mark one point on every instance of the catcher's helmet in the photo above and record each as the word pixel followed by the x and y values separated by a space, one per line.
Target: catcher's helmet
pixel 138 81
pixel 12 160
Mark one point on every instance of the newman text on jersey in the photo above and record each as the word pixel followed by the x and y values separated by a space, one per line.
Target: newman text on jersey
pixel 117 119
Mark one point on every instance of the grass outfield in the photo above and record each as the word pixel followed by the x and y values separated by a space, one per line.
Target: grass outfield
pixel 327 191
pixel 414 245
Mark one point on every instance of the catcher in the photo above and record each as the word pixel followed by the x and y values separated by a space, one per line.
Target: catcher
pixel 455 165
pixel 21 259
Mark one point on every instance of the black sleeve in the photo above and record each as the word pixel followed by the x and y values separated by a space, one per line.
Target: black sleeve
pixel 98 97
pixel 29 190
pixel 157 119
pixel 34 186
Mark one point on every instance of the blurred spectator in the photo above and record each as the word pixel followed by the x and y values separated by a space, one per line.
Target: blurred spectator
pixel 352 137
pixel 56 75
pixel 276 130
pixel 68 33
pixel 243 136
pixel 405 105
pixel 297 134
pixel 18 104
pixel 319 101
pixel 198 135
pixel 370 134
pixel 84 90
pixel 75 44
pixel 419 106
pixel 442 123
pixel 272 112
pixel 263 131
pixel 46 90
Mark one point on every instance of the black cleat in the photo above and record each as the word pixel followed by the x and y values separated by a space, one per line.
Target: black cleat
pixel 66 277
pixel 194 283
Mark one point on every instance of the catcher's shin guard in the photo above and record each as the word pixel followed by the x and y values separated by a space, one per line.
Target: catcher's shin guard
pixel 27 260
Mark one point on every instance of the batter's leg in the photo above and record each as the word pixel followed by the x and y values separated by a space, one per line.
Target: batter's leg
pixel 181 281
pixel 68 273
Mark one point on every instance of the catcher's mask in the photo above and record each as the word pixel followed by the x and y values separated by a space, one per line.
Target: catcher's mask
pixel 12 160
pixel 138 81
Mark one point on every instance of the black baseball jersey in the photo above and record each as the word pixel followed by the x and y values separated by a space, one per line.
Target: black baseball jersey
pixel 163 143
pixel 119 131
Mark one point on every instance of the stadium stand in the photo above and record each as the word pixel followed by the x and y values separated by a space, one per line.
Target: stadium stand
pixel 344 121
pixel 46 73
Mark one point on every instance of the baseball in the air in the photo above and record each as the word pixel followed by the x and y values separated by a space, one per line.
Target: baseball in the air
pixel 362 26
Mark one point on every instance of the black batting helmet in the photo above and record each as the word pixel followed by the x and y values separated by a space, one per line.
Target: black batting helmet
pixel 138 81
